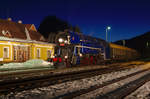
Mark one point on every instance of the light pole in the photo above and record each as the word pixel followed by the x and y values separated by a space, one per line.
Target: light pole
pixel 107 28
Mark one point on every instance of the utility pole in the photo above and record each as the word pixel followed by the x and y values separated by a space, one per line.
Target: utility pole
pixel 108 28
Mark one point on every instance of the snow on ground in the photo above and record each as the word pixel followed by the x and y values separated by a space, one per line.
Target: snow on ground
pixel 34 63
pixel 101 91
pixel 60 89
pixel 141 93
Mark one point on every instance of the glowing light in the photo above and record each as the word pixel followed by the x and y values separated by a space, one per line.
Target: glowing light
pixel 66 56
pixel 108 27
pixel 66 41
pixel 80 55
pixel 60 40
pixel 62 44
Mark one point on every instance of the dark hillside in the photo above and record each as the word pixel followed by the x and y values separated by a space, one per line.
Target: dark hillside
pixel 140 43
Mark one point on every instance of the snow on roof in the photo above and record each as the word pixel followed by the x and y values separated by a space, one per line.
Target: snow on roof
pixel 22 40
pixel 17 30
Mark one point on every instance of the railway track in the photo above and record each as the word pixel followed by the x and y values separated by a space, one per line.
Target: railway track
pixel 46 80
pixel 118 93
pixel 127 89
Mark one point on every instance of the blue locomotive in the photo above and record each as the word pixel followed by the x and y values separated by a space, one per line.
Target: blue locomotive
pixel 76 48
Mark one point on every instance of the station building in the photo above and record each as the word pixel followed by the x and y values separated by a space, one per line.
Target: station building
pixel 21 42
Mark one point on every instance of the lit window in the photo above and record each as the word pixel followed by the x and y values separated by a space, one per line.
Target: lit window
pixel 15 53
pixel 48 53
pixel 38 52
pixel 6 52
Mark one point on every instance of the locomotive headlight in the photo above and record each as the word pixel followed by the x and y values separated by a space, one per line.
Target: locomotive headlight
pixel 66 41
pixel 60 40
pixel 80 55
pixel 66 56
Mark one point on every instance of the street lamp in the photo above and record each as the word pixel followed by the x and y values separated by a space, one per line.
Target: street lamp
pixel 108 28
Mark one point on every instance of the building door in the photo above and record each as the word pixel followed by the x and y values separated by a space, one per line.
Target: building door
pixel 21 53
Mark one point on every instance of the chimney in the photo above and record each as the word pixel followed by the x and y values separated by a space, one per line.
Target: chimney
pixel 20 21
pixel 9 19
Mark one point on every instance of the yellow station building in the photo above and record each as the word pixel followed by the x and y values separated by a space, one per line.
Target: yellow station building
pixel 21 42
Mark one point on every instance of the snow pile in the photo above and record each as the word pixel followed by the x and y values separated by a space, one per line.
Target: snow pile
pixel 34 63
pixel 11 65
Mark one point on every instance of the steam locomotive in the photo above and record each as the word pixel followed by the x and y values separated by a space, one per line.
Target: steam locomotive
pixel 76 48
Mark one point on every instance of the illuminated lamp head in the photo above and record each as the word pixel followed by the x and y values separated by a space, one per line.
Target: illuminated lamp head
pixel 66 56
pixel 60 40
pixel 108 27
pixel 66 41
pixel 80 55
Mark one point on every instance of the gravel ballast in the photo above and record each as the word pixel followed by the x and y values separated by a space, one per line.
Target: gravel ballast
pixel 60 89
pixel 141 93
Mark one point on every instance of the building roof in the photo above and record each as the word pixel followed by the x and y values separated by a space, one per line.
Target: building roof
pixel 17 30
pixel 30 27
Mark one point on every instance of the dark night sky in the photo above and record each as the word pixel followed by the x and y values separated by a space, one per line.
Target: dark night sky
pixel 128 18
